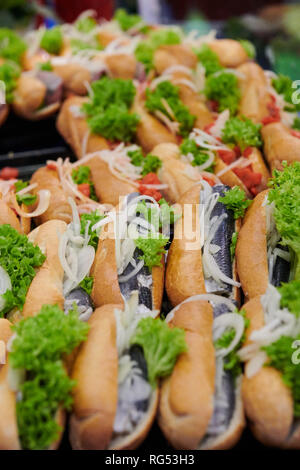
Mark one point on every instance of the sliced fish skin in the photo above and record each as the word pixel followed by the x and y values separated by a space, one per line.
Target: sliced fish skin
pixel 222 239
pixel 281 271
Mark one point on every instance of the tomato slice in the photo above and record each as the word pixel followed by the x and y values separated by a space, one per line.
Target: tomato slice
pixel 228 156
pixel 247 152
pixel 209 180
pixel 9 172
pixel 248 176
pixel 269 119
pixel 150 192
pixel 51 166
pixel 84 188
pixel 295 133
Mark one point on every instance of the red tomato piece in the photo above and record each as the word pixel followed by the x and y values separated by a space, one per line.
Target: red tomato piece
pixel 228 156
pixel 247 152
pixel 8 173
pixel 84 188
pixel 248 176
pixel 295 133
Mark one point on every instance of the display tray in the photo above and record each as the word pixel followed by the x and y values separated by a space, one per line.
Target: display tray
pixel 27 145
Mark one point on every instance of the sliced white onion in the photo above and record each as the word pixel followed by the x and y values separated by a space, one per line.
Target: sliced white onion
pixel 228 321
pixel 219 124
pixel 44 201
pixel 27 189
pixel 126 277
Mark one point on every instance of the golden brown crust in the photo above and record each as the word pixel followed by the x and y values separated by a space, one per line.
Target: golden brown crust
pixel 229 178
pixel 196 106
pixel 9 439
pixel 74 77
pixel 268 401
pixel 5 331
pixel 254 92
pixel 108 187
pixel 59 207
pixel 280 145
pixel 96 392
pixel 177 54
pixel 173 171
pixel 186 398
pixel 251 250
pixel 7 216
pixel 75 130
pixel 47 285
pixel 230 52
pixel 121 65
pixel 184 274
pixel 29 95
pixel 150 131
pixel 259 166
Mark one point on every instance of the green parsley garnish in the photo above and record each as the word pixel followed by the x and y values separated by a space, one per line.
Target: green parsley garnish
pixel 209 59
pixel 170 93
pixel 152 248
pixel 149 164
pixel 249 48
pixel 19 258
pixel 40 343
pixel 9 72
pixel 82 175
pixel 52 40
pixel 161 346
pixel 283 86
pixel 242 132
pixel 223 88
pixel 12 47
pixel 235 200
pixel 200 156
pixel 87 284
pixel 91 219
pixel 127 21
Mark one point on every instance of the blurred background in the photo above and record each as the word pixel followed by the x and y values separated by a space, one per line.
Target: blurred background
pixel 272 25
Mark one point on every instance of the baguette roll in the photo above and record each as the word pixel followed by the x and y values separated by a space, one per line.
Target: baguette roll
pixel 74 128
pixel 176 54
pixel 185 273
pixel 268 401
pixel 112 287
pixel 59 208
pixel 255 97
pixel 230 52
pixel 280 145
pixel 189 413
pixel 95 421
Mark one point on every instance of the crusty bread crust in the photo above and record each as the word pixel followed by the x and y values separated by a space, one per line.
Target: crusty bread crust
pixel 254 92
pixel 268 401
pixel 186 398
pixel 7 216
pixel 251 250
pixel 96 392
pixel 74 77
pixel 172 171
pixel 74 129
pixel 4 111
pixel 106 289
pixel 229 178
pixel 59 207
pixel 121 65
pixel 230 52
pixel 280 145
pixel 196 106
pixel 184 274
pixel 50 274
pixel 150 131
pixel 108 187
pixel 175 54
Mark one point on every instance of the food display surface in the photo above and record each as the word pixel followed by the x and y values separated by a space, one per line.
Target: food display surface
pixel 149 241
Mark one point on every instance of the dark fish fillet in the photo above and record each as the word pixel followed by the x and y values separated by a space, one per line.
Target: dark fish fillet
pixel 138 281
pixel 222 239
pixel 136 354
pixel 223 415
pixel 54 85
pixel 281 271
pixel 80 297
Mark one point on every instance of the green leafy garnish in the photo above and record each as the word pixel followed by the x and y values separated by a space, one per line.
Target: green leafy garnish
pixel 233 243
pixel 82 175
pixel 283 86
pixel 12 47
pixel 232 361
pixel 200 156
pixel 223 88
pixel 108 109
pixel 37 350
pixel 87 284
pixel 290 296
pixel 149 164
pixel 144 51
pixel 242 132
pixel 9 72
pixel 52 40
pixel 235 200
pixel 285 193
pixel 152 248
pixel 127 21
pixel 279 354
pixel 79 45
pixel 296 123
pixel 28 199
pixel 162 217
pixel 47 66
pixel 249 48
pixel 208 59
pixel 91 219
pixel 19 258
pixel 166 91
pixel 86 24
pixel 161 346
